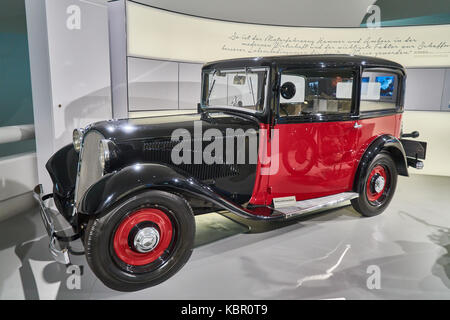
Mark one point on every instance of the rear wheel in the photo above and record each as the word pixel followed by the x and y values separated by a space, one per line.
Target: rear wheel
pixel 378 187
pixel 141 242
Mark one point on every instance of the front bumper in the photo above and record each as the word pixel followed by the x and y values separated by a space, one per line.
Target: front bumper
pixel 59 243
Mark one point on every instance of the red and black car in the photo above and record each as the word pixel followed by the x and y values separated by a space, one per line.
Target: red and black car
pixel 273 138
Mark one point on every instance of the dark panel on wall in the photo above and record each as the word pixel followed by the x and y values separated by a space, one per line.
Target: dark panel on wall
pixel 424 89
pixel 16 106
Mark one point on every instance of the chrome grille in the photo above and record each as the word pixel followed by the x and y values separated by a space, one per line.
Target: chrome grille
pixel 89 169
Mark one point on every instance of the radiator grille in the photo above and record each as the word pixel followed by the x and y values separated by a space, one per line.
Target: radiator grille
pixel 161 150
pixel 89 169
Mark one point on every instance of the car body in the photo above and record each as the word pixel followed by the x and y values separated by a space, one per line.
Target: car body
pixel 273 138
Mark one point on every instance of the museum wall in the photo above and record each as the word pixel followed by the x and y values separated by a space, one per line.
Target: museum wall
pixel 434 128
pixel 427 98
pixel 163 85
pixel 17 158
pixel 70 71
pixel 312 13
pixel 155 33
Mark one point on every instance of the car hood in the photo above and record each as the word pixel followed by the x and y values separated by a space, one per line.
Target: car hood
pixel 121 131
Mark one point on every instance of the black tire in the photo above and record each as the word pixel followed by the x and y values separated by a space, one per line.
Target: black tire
pixel 365 203
pixel 114 272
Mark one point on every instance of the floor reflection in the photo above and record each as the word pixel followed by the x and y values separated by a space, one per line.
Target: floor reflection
pixel 213 227
pixel 440 235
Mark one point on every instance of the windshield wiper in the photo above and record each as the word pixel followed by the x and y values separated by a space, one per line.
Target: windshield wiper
pixel 212 87
pixel 210 90
pixel 250 86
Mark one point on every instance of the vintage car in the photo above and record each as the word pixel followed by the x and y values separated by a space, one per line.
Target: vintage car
pixel 273 138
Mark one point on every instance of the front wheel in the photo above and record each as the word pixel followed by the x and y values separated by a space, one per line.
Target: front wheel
pixel 141 242
pixel 378 187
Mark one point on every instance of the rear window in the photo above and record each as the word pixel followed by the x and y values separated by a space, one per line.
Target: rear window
pixel 379 91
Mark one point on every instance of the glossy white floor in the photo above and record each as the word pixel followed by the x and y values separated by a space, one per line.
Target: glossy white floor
pixel 330 255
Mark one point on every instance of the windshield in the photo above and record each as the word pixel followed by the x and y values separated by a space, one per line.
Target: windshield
pixel 244 88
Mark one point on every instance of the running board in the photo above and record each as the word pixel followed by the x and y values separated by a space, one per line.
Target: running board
pixel 306 206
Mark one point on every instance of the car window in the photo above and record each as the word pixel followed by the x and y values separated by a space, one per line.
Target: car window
pixel 378 91
pixel 309 92
pixel 240 88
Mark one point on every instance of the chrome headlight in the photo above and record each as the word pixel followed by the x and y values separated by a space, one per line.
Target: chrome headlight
pixel 105 154
pixel 77 137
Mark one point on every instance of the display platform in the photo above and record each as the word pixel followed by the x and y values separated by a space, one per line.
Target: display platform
pixel 336 254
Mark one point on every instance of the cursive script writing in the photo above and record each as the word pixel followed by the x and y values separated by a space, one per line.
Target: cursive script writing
pixel 260 44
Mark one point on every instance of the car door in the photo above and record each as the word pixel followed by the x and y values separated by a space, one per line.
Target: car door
pixel 317 133
pixel 380 106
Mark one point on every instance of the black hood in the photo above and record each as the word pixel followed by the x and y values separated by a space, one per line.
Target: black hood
pixel 121 131
pixel 148 140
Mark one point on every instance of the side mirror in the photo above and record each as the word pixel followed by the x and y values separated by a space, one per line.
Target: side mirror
pixel 287 90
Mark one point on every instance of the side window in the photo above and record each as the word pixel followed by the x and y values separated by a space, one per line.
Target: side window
pixel 378 91
pixel 310 92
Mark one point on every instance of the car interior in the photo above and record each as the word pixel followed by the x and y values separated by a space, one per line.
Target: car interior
pixel 304 94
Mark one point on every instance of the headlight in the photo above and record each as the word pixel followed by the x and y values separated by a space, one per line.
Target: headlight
pixel 77 139
pixel 105 155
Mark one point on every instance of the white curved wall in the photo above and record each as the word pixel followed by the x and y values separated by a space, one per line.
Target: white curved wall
pixel 434 128
pixel 154 33
pixel 320 13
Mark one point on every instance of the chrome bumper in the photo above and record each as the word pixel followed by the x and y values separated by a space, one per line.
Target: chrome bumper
pixel 58 246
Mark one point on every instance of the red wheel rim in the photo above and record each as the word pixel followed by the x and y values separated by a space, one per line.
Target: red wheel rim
pixel 121 238
pixel 376 173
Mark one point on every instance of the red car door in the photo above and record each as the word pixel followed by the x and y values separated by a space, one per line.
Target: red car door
pixel 317 134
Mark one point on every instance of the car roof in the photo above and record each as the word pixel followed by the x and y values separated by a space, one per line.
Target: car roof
pixel 322 60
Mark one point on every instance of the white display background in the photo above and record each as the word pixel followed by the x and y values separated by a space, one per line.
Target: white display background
pixel 79 65
pixel 70 71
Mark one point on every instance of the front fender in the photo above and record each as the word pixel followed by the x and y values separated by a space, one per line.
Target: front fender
pixel 62 168
pixel 385 142
pixel 117 186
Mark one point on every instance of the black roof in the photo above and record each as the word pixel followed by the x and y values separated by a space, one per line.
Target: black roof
pixel 319 60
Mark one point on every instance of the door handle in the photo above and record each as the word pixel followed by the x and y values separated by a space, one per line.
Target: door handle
pixel 357 125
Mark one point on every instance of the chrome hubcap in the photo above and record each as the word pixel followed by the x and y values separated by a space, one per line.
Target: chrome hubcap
pixel 379 184
pixel 146 239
